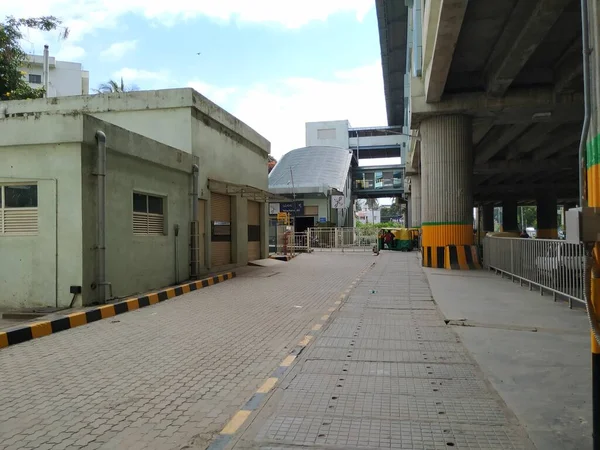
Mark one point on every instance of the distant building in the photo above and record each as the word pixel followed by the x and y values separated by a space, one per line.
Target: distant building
pixel 368 216
pixel 321 186
pixel 65 78
pixel 366 143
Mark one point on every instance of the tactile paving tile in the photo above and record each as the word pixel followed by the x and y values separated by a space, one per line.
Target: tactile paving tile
pixel 388 355
pixel 390 369
pixel 409 334
pixel 366 432
pixel 398 305
pixel 387 344
pixel 353 384
pixel 390 321
pixel 395 407
pixel 394 314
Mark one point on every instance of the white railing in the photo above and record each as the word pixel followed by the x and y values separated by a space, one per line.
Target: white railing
pixel 553 266
pixel 342 239
pixel 324 239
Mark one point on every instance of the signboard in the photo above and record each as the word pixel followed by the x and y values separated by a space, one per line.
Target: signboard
pixel 338 201
pixel 322 219
pixel 289 207
pixel 283 217
pixel 273 208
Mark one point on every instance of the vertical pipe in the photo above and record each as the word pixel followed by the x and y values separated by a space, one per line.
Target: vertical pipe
pixel 101 226
pixel 46 70
pixel 195 235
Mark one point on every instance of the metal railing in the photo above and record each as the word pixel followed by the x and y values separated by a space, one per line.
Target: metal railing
pixel 553 266
pixel 342 239
pixel 324 239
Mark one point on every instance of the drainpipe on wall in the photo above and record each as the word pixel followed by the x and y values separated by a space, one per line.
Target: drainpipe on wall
pixel 46 70
pixel 195 226
pixel 101 224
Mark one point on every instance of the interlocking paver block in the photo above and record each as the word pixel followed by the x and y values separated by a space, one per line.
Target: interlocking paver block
pixel 386 372
pixel 204 351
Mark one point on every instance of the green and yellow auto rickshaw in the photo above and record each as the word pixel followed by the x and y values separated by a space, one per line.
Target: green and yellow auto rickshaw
pixel 398 239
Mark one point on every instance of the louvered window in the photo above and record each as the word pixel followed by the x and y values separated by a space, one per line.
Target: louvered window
pixel 18 209
pixel 148 215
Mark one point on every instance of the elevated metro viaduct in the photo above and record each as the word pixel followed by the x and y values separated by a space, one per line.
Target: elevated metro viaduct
pixel 493 95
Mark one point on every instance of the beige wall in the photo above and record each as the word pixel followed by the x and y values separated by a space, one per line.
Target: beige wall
pixel 38 270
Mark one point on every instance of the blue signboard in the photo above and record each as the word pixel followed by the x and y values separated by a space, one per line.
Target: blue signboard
pixel 322 219
pixel 289 207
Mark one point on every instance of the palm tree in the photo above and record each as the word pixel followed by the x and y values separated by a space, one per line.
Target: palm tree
pixel 113 86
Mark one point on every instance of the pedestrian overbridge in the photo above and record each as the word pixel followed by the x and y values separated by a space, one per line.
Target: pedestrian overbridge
pixel 378 181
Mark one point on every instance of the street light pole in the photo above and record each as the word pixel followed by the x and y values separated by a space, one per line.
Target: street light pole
pixel 293 196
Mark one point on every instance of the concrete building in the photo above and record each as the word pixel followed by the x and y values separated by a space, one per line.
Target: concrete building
pixel 185 194
pixel 321 186
pixel 368 216
pixel 65 78
pixel 365 142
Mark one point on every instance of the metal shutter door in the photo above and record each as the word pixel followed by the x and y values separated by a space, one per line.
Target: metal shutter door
pixel 253 230
pixel 220 211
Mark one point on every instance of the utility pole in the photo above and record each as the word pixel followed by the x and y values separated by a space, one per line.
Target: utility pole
pixel 293 196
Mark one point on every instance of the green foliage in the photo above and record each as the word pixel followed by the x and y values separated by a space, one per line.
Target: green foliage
pixel 373 227
pixel 112 87
pixel 13 85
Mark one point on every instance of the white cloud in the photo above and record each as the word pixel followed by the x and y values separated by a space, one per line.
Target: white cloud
pixel 118 50
pixel 219 95
pixel 279 110
pixel 71 53
pixel 86 16
pixel 138 75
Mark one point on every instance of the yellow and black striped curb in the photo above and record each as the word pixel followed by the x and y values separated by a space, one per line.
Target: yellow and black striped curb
pixel 239 418
pixel 451 257
pixel 433 257
pixel 462 257
pixel 27 332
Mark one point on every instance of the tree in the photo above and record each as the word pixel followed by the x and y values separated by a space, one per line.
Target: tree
pixel 113 86
pixel 271 162
pixel 13 85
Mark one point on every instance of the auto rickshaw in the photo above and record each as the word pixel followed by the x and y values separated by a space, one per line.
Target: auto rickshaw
pixel 415 236
pixel 401 239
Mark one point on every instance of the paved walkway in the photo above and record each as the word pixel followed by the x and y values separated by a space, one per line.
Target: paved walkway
pixel 386 373
pixel 169 375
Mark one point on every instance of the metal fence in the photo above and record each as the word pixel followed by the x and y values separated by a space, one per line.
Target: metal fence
pixel 342 239
pixel 553 266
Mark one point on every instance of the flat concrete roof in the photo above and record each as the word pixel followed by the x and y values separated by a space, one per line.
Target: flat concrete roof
pixel 134 101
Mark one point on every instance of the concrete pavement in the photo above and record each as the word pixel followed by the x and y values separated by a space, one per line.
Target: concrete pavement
pixel 542 375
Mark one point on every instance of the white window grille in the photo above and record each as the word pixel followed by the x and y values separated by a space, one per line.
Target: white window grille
pixel 148 215
pixel 18 209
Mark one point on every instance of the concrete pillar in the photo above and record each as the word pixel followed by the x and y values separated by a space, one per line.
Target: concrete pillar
pixel 264 230
pixel 446 185
pixel 487 218
pixel 509 216
pixel 547 220
pixel 415 200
